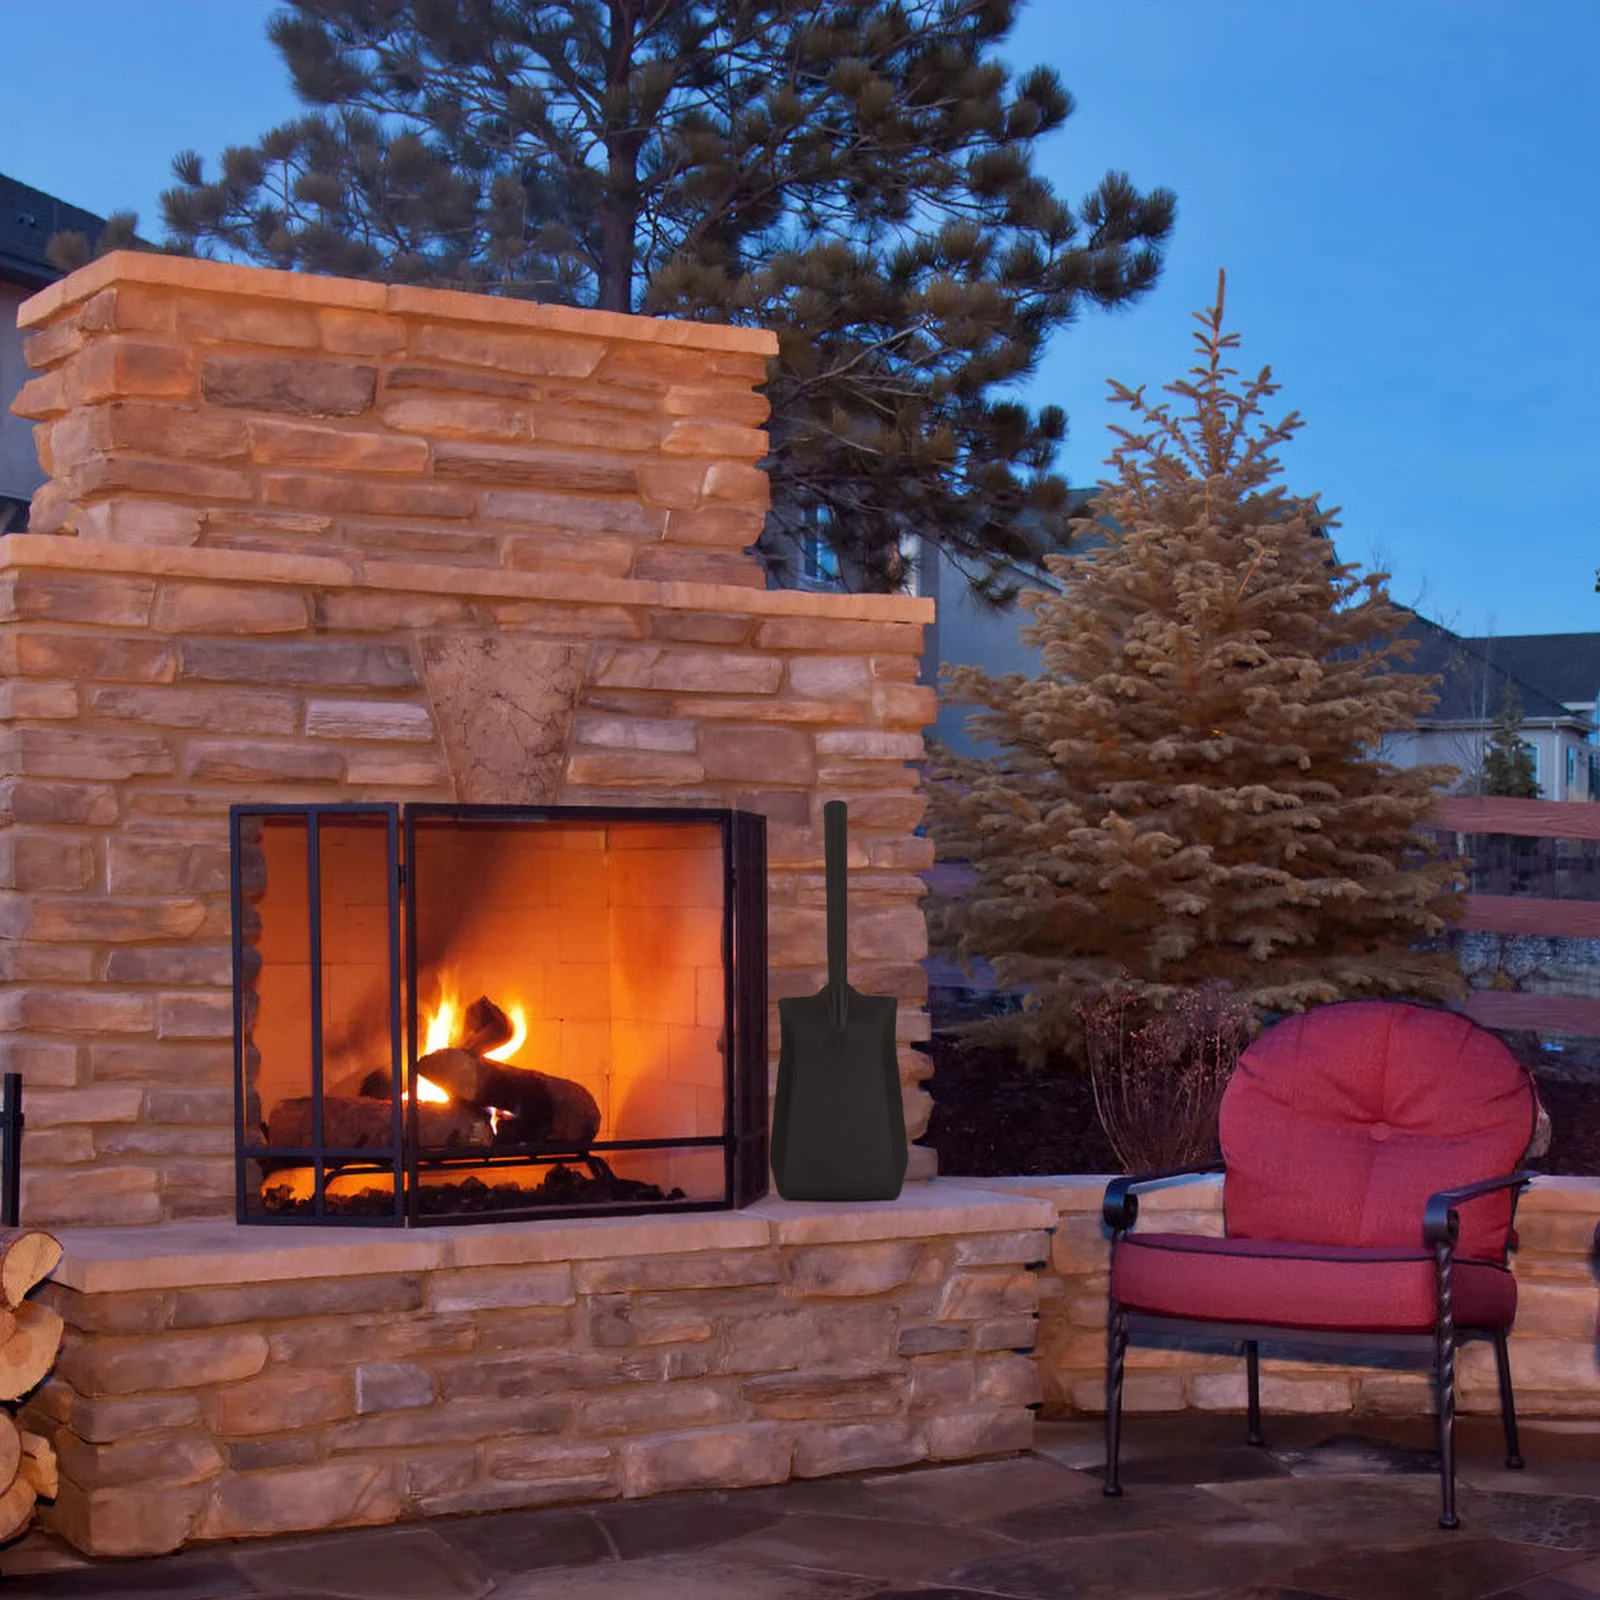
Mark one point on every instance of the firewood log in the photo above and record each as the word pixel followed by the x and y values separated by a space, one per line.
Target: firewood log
pixel 26 1257
pixel 484 1027
pixel 369 1124
pixel 38 1465
pixel 544 1109
pixel 31 1350
pixel 16 1508
pixel 10 1448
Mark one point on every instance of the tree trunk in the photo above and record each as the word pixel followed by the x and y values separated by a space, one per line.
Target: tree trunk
pixel 619 208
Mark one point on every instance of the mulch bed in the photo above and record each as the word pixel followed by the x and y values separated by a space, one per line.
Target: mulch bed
pixel 993 1117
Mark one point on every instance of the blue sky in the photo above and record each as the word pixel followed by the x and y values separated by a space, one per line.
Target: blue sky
pixel 1404 195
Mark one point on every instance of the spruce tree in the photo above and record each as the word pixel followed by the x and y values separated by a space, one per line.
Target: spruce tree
pixel 1508 761
pixel 857 177
pixel 1188 793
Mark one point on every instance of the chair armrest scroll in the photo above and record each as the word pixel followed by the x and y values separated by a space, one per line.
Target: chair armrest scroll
pixel 1441 1225
pixel 1121 1205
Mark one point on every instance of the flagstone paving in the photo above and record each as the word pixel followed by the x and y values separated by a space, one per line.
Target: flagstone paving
pixel 1333 1509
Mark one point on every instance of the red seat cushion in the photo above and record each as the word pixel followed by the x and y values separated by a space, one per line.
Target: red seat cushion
pixel 1302 1286
pixel 1339 1123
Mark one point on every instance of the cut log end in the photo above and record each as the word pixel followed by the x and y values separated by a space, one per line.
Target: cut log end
pixel 16 1508
pixel 27 1257
pixel 38 1465
pixel 29 1354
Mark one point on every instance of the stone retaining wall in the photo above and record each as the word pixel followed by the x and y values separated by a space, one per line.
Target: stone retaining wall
pixel 230 1382
pixel 1555 1346
pixel 309 539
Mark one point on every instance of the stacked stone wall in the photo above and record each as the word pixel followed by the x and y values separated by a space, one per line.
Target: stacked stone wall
pixel 249 1390
pixel 315 540
pixel 1555 1344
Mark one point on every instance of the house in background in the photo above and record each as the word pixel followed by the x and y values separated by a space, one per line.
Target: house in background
pixel 1556 679
pixel 28 217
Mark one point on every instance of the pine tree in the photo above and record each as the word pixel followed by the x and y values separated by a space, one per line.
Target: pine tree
pixel 856 176
pixel 1187 794
pixel 1508 761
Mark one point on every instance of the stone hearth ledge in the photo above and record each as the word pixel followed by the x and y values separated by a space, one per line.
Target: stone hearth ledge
pixel 21 551
pixel 182 1255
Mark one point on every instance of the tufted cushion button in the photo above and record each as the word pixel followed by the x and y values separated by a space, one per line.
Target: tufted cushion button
pixel 1381 1131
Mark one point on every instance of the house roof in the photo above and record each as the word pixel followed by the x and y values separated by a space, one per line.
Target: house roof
pixel 1474 677
pixel 27 219
pixel 1564 665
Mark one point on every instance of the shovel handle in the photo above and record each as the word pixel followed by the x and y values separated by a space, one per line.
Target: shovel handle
pixel 835 815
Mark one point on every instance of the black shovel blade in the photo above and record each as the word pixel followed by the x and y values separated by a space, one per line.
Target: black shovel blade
pixel 838 1126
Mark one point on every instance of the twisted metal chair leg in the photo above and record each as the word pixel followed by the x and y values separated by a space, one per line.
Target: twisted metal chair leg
pixel 1508 1401
pixel 1252 1372
pixel 1445 1395
pixel 1116 1351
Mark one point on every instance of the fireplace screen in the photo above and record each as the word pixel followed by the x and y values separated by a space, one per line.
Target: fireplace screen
pixel 572 1002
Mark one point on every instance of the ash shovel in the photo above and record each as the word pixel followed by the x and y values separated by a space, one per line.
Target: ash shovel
pixel 838 1129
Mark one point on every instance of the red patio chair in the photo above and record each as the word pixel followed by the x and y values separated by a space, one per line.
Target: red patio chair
pixel 1369 1190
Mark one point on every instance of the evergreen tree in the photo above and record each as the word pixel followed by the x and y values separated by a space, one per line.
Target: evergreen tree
pixel 856 175
pixel 1186 794
pixel 1508 761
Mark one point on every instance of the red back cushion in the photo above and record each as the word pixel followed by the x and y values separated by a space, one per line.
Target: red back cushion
pixel 1339 1123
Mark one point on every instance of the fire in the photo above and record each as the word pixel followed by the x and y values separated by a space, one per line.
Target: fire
pixel 440 1031
pixel 519 1022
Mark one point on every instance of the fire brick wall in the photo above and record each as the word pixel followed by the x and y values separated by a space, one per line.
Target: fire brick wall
pixel 308 539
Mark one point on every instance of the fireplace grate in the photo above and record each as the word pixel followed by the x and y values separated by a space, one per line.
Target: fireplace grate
pixel 640 936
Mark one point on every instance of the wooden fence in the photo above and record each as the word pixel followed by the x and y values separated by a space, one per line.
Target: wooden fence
pixel 1568 870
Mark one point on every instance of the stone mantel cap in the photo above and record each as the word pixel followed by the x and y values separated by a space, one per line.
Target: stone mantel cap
pixel 358 570
pixel 354 294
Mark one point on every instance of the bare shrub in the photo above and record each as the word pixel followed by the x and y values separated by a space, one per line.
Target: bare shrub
pixel 1159 1064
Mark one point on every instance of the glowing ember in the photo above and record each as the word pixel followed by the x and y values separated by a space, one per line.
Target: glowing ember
pixel 430 1094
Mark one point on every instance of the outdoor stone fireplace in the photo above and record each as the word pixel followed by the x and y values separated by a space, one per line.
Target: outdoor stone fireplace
pixel 311 543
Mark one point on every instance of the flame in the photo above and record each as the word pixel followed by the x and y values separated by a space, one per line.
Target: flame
pixel 439 1033
pixel 519 1024
pixel 441 1027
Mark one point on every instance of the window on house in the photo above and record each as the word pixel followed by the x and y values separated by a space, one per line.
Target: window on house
pixel 819 561
pixel 1572 768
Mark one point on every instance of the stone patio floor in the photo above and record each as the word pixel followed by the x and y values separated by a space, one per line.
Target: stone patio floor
pixel 1334 1507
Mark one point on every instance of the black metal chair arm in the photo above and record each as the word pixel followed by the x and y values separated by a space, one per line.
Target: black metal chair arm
pixel 1441 1225
pixel 1121 1205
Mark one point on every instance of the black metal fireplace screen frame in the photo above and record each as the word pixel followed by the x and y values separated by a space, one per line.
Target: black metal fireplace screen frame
pixel 743 1140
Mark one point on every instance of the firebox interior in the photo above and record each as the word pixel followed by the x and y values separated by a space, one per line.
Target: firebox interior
pixel 565 997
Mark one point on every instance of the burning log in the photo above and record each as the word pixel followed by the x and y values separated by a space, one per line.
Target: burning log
pixel 485 1027
pixel 542 1109
pixel 361 1124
